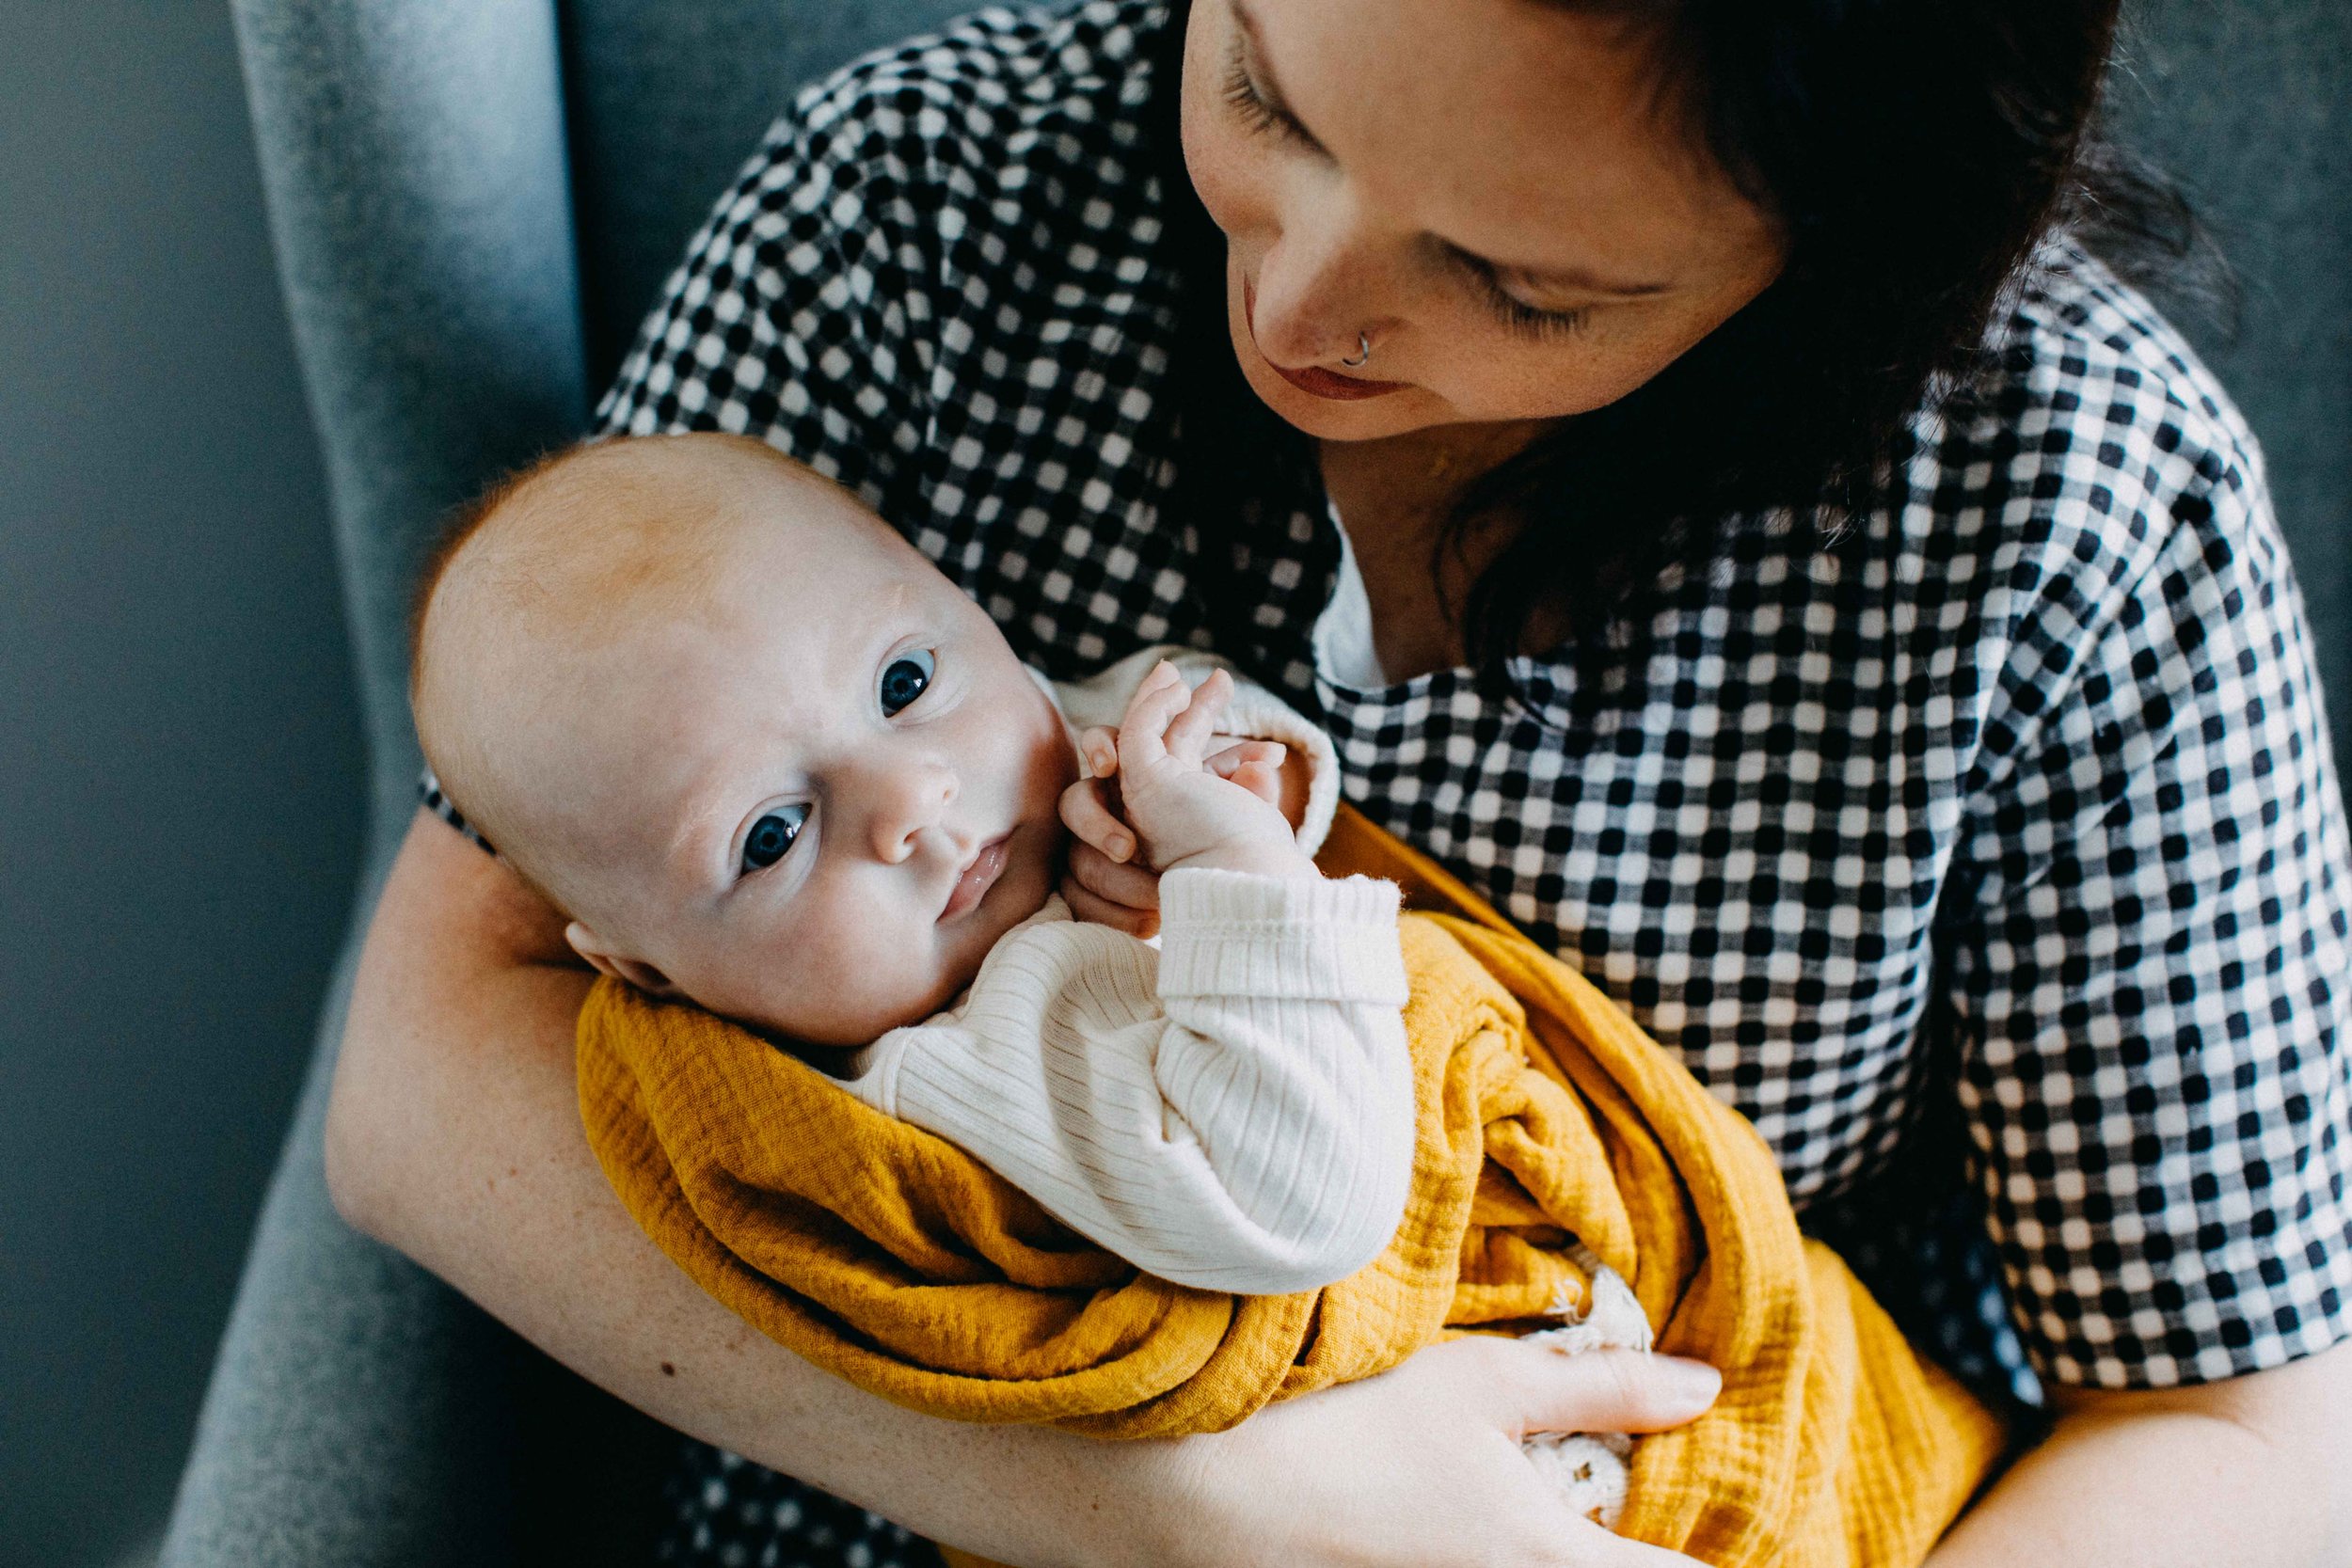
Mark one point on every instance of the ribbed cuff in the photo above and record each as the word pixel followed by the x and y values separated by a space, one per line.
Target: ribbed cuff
pixel 1231 933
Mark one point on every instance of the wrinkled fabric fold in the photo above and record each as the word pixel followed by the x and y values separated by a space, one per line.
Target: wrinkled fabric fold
pixel 1544 1118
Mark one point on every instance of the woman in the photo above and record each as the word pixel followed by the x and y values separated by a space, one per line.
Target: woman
pixel 1777 568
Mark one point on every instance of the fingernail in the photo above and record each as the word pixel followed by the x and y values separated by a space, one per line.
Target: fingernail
pixel 1693 1381
pixel 1118 846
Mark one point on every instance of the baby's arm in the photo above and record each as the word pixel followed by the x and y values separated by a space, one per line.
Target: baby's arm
pixel 1284 1063
pixel 1235 1113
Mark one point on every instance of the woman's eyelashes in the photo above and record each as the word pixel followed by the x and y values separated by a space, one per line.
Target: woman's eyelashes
pixel 1247 101
pixel 907 676
pixel 1531 320
pixel 771 836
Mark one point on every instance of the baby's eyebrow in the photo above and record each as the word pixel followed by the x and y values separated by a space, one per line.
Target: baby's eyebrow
pixel 702 836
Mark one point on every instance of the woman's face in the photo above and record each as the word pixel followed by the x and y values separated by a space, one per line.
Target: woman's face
pixel 1490 191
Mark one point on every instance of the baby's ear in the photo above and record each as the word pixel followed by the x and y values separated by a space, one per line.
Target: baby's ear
pixel 606 960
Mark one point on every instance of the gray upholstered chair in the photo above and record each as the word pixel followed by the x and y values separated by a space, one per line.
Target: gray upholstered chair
pixel 474 200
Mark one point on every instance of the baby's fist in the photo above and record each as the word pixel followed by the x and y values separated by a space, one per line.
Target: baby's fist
pixel 1187 810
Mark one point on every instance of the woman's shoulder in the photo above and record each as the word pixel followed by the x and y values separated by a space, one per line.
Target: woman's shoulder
pixel 975 99
pixel 2107 417
pixel 2095 451
pixel 933 283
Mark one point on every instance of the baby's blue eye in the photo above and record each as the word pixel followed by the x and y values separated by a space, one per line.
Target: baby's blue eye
pixel 906 678
pixel 771 835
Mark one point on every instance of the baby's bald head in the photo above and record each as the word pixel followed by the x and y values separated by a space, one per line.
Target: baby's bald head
pixel 538 597
pixel 755 744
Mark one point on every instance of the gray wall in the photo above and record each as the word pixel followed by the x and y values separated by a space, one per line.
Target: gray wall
pixel 2249 104
pixel 180 769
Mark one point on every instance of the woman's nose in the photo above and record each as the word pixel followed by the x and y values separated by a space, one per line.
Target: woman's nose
pixel 1313 294
pixel 901 803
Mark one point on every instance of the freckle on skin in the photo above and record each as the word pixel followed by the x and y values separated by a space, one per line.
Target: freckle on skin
pixel 668 1370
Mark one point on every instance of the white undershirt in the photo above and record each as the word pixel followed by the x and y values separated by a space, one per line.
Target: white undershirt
pixel 1343 648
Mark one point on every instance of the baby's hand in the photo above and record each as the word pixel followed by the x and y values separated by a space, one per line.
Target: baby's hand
pixel 1180 810
pixel 1107 883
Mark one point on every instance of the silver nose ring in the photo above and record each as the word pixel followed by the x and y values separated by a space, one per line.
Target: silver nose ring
pixel 1363 351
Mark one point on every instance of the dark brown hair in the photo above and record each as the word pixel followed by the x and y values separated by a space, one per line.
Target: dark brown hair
pixel 1915 155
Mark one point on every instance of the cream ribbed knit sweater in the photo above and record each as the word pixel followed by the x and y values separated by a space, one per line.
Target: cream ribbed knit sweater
pixel 1232 1112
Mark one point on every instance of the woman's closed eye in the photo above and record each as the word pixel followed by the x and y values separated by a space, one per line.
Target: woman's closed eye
pixel 1247 101
pixel 907 676
pixel 771 836
pixel 1531 320
pixel 1264 115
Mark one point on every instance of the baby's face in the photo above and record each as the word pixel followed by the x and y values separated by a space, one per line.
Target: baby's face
pixel 814 800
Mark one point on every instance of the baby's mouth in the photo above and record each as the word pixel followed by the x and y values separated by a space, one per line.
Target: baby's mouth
pixel 978 875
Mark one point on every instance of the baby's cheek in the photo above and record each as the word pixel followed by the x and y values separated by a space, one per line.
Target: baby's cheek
pixel 836 982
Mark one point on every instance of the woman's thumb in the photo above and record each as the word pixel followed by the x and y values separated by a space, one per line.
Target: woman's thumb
pixel 1611 1390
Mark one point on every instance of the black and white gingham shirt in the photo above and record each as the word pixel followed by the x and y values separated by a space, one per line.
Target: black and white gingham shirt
pixel 1990 861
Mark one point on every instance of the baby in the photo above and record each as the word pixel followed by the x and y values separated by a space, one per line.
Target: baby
pixel 766 758
pixel 763 755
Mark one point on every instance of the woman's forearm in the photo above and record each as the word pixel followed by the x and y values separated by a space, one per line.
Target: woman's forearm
pixel 454 1136
pixel 2251 1471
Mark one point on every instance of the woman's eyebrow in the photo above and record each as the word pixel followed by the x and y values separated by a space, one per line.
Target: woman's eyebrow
pixel 1562 278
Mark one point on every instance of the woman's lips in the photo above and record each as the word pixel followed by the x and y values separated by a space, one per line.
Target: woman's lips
pixel 1321 382
pixel 977 879
pixel 1314 380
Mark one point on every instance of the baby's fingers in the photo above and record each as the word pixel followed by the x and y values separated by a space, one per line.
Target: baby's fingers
pixel 1149 711
pixel 1097 911
pixel 1254 764
pixel 1188 734
pixel 1087 812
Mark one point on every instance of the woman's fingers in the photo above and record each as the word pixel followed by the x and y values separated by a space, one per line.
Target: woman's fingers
pixel 1423 1463
pixel 1086 811
pixel 1540 1389
pixel 1605 1550
pixel 1096 909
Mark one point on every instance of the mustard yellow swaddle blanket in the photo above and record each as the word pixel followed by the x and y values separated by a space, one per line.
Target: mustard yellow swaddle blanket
pixel 891 1257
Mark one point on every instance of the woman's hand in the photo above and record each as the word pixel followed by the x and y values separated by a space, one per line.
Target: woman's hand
pixel 456 1134
pixel 1422 1465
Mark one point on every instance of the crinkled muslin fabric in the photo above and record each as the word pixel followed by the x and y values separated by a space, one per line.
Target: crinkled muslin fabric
pixel 1545 1118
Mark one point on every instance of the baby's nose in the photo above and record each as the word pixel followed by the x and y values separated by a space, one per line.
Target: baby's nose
pixel 904 803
